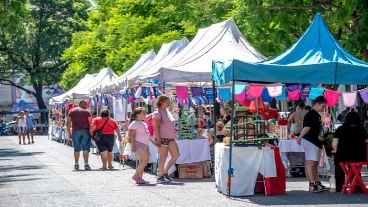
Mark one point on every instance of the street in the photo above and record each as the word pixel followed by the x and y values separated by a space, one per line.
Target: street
pixel 42 174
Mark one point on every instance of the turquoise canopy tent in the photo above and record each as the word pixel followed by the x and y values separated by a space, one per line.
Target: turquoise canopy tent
pixel 316 58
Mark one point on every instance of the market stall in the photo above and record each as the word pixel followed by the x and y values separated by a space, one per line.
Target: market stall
pixel 316 58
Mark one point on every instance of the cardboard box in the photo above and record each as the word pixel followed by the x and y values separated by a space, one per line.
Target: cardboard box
pixel 193 170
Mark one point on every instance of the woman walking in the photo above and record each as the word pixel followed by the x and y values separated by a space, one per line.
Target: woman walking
pixel 139 137
pixel 107 140
pixel 164 134
pixel 21 125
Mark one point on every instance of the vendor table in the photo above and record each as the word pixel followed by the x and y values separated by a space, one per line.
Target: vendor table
pixel 191 151
pixel 290 145
pixel 247 163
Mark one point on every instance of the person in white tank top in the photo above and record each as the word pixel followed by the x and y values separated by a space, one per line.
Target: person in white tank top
pixel 21 125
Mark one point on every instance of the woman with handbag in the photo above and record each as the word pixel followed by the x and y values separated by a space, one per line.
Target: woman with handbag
pixel 102 130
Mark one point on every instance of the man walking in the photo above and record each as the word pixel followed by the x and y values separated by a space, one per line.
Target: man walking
pixel 311 140
pixel 79 120
pixel 30 126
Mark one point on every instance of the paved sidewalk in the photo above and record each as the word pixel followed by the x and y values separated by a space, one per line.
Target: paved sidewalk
pixel 41 175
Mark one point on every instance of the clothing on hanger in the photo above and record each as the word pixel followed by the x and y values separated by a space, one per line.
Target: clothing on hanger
pixel 294 95
pixel 181 92
pixel 282 96
pixel 292 86
pixel 225 94
pixel 255 90
pixel 364 95
pixel 349 98
pixel 265 96
pixel 316 91
pixel 274 91
pixel 196 91
pixel 332 97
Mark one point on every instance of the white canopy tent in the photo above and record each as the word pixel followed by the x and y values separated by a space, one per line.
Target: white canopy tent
pixel 105 77
pixel 83 83
pixel 221 41
pixel 165 54
pixel 107 84
pixel 144 60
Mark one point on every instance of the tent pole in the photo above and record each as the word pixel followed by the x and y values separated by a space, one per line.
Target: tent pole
pixel 230 171
pixel 214 108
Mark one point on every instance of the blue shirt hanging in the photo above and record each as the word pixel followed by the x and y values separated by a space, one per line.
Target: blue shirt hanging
pixel 208 92
pixel 282 96
pixel 225 94
pixel 316 91
pixel 265 96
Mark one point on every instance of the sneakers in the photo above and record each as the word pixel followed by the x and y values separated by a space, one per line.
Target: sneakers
pixel 161 180
pixel 168 178
pixel 76 167
pixel 317 188
pixel 139 180
pixel 87 167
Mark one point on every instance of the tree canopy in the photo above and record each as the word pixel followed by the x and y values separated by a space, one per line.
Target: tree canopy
pixel 118 31
pixel 33 36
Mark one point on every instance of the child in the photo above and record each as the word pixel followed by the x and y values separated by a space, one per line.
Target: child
pixel 139 137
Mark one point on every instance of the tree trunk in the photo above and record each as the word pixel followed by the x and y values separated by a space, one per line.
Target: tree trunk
pixel 41 104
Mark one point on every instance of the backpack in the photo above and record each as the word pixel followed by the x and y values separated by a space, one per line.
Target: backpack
pixel 149 121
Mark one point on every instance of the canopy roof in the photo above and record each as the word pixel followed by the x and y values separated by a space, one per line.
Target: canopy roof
pixel 81 85
pixel 106 81
pixel 21 106
pixel 221 41
pixel 106 77
pixel 144 60
pixel 317 57
pixel 164 55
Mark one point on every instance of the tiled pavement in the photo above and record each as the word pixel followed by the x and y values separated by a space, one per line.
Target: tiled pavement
pixel 41 175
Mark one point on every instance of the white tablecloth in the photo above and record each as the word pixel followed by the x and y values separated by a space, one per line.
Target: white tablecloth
pixel 290 145
pixel 247 162
pixel 196 150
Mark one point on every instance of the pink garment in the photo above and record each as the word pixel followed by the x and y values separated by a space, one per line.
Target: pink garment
pixel 181 92
pixel 332 97
pixel 142 134
pixel 167 125
pixel 242 96
pixel 349 98
pixel 255 90
pixel 274 91
pixel 294 95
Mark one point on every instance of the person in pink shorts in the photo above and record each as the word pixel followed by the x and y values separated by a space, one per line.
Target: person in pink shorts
pixel 139 137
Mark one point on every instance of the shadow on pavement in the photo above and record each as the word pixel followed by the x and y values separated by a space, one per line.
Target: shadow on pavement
pixel 16 178
pixel 8 168
pixel 298 197
pixel 16 153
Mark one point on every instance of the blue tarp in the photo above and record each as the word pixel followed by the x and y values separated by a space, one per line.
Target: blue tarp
pixel 21 106
pixel 315 58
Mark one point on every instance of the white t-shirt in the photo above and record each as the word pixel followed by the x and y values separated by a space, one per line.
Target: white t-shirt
pixel 142 134
pixel 121 109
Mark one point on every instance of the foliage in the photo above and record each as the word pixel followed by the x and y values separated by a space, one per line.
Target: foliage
pixel 118 31
pixel 33 34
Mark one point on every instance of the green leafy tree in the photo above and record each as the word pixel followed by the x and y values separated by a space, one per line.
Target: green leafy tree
pixel 33 35
pixel 119 31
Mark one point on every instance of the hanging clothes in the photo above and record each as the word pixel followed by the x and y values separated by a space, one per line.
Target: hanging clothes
pixel 332 97
pixel 255 90
pixel 349 99
pixel 282 96
pixel 208 92
pixel 241 96
pixel 305 91
pixel 275 90
pixel 225 94
pixel 120 108
pixel 292 86
pixel 364 95
pixel 138 93
pixel 294 95
pixel 265 96
pixel 197 91
pixel 316 91
pixel 181 92
pixel 239 88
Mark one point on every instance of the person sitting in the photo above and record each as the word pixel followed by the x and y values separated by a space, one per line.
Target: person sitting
pixel 221 133
pixel 349 144
pixel 225 115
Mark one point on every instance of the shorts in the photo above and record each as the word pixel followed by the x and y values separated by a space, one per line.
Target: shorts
pixel 30 129
pixel 141 147
pixel 22 129
pixel 81 140
pixel 106 142
pixel 166 141
pixel 312 152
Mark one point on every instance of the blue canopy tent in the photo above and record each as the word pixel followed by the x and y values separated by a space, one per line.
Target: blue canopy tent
pixel 316 58
pixel 21 106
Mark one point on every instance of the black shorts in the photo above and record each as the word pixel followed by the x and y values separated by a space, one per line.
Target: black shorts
pixel 106 143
